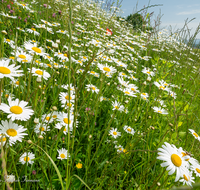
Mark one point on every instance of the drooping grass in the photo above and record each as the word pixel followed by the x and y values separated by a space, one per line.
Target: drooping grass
pixel 113 118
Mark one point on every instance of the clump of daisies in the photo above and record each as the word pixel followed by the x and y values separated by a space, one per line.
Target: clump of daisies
pixel 180 162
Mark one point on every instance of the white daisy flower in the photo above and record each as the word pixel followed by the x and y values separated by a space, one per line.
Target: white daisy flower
pixel 144 96
pixel 122 82
pixel 13 131
pixel 195 135
pixel 129 92
pixel 65 131
pixel 22 56
pixel 27 157
pixel 33 48
pixel 39 72
pixel 133 88
pixel 41 128
pixel 116 106
pixel 64 120
pixel 17 110
pixel 107 69
pixel 114 133
pixel 148 72
pixel 161 85
pixel 187 179
pixel 64 97
pixel 129 130
pixel 92 88
pixel 33 30
pixel 196 169
pixel 9 71
pixel 119 148
pixel 47 118
pixel 173 159
pixel 3 139
pixel 63 154
pixel 159 110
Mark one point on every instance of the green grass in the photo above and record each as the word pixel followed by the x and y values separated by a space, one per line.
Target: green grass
pixel 128 161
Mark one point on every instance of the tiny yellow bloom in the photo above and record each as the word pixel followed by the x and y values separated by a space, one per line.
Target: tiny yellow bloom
pixel 79 165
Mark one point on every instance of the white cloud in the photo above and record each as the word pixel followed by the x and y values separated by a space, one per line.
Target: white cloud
pixel 189 12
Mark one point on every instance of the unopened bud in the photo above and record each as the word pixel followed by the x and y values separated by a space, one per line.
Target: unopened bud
pixel 36 120
pixel 40 137
pixel 58 41
pixel 54 108
pixel 4 32
pixel 29 141
pixel 39 79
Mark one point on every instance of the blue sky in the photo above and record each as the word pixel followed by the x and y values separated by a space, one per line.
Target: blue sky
pixel 175 12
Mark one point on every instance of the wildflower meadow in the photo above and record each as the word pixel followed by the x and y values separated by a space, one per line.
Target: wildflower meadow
pixel 89 102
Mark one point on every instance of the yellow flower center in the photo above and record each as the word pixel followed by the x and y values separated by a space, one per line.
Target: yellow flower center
pixel 5 70
pixel 39 72
pixel 133 89
pixel 176 160
pixel 123 74
pixel 114 133
pixel 38 50
pixel 65 55
pixel 185 178
pixel 159 111
pixel 33 29
pixel 17 82
pixel 67 97
pixel 47 118
pixel 41 128
pixel 195 135
pixel 148 72
pixel 129 129
pixel 106 69
pixel 62 155
pixel 26 158
pixel 69 104
pixel 7 40
pixel 54 116
pixel 116 107
pixel 127 92
pixel 162 87
pixel 16 109
pixel 198 170
pixel 49 65
pixel 92 72
pixel 93 88
pixel 67 121
pixel 4 139
pixel 11 132
pixel 11 57
pixel 22 56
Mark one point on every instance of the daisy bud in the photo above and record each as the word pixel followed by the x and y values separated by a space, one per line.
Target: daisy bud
pixel 43 92
pixel 39 86
pixel 171 124
pixel 58 41
pixel 149 117
pixel 58 72
pixel 90 136
pixel 40 137
pixel 54 108
pixel 39 79
pixel 148 78
pixel 4 32
pixel 158 184
pixel 126 101
pixel 36 120
pixel 29 142
pixel 108 84
pixel 144 83
pixel 135 119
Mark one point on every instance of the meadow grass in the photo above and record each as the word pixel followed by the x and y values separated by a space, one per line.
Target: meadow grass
pixel 87 101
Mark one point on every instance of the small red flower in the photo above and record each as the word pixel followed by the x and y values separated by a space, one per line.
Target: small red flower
pixel 108 32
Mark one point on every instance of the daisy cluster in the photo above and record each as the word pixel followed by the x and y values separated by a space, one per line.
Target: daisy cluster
pixel 180 162
pixel 115 68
